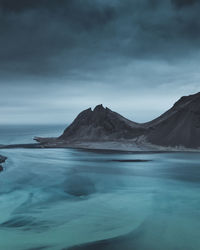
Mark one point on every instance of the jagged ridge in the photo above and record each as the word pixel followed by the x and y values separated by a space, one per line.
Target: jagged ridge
pixel 101 124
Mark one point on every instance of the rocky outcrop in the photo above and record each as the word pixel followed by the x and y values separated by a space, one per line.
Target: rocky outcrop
pixel 2 160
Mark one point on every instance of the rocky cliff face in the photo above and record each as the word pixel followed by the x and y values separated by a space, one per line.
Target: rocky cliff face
pixel 101 124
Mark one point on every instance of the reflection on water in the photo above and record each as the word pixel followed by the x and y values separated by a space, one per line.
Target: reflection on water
pixel 73 199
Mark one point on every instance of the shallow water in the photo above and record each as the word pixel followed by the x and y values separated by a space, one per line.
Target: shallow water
pixel 76 199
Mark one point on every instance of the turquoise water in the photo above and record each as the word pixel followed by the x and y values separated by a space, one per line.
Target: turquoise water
pixel 76 199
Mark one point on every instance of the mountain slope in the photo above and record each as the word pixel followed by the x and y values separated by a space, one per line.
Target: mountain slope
pixel 179 126
pixel 101 124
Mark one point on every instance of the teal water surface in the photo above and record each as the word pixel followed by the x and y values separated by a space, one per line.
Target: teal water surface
pixel 76 199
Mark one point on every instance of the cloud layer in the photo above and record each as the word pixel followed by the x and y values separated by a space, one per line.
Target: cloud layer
pixel 75 47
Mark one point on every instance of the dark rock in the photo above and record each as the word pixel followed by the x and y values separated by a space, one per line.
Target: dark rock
pixel 2 159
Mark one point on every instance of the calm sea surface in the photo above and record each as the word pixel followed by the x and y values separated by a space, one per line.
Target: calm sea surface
pixel 73 199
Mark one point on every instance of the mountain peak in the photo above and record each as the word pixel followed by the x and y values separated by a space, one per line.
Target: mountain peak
pixel 184 100
pixel 99 124
pixel 99 108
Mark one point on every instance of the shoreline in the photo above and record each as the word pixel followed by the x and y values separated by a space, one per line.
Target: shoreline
pixel 103 146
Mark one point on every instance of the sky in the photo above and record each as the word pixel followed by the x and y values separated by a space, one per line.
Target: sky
pixel 59 57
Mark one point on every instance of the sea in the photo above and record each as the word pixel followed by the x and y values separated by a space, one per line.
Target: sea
pixel 59 199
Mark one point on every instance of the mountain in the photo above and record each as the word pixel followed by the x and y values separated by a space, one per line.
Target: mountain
pixel 179 126
pixel 101 124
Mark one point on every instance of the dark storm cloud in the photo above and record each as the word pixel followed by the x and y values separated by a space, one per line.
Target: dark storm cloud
pixel 183 3
pixel 38 37
pixel 47 38
pixel 76 53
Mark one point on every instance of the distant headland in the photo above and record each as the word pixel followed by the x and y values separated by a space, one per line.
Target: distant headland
pixel 177 129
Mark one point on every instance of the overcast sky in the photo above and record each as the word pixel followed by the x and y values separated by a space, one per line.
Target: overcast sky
pixel 58 57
